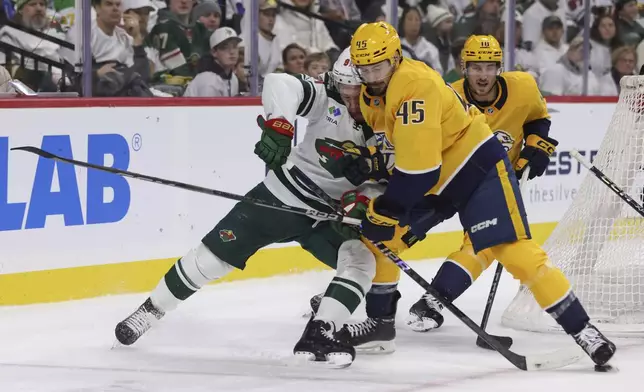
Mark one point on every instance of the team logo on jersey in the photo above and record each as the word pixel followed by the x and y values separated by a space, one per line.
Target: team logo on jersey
pixel 330 151
pixel 193 59
pixel 505 138
pixel 383 142
pixel 490 110
pixel 227 235
pixel 334 112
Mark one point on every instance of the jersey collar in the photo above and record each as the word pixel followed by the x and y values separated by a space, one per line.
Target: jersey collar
pixel 372 100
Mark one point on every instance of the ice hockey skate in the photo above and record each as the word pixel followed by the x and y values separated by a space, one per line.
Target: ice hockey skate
pixel 135 325
pixel 425 314
pixel 595 344
pixel 317 344
pixel 371 336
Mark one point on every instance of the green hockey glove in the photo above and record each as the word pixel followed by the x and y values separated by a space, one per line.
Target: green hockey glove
pixel 355 205
pixel 275 144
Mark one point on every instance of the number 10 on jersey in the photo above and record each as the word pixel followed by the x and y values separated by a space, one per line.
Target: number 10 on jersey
pixel 412 112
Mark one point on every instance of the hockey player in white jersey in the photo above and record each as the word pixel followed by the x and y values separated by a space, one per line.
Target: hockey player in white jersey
pixel 335 124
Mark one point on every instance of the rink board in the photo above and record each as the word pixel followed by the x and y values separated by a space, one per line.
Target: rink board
pixel 69 233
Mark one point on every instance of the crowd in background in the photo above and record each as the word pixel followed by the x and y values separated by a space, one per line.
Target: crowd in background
pixel 201 48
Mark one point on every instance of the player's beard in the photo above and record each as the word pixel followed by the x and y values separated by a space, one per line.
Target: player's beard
pixel 378 88
pixel 38 21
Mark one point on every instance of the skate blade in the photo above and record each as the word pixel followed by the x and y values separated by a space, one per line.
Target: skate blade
pixel 424 324
pixel 333 361
pixel 116 345
pixel 377 347
pixel 606 368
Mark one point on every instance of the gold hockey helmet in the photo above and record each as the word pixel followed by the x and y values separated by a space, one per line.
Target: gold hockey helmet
pixel 375 42
pixel 481 48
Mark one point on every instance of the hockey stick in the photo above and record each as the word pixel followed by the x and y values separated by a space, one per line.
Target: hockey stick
pixel 609 183
pixel 505 340
pixel 554 360
pixel 194 188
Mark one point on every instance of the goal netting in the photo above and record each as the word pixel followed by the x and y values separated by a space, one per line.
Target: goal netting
pixel 599 243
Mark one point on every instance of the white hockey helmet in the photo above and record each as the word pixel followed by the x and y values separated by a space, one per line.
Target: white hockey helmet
pixel 343 70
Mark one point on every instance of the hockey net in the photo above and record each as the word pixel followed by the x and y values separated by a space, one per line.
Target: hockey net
pixel 599 243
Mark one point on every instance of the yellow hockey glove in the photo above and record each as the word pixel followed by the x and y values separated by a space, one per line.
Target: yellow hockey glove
pixel 536 153
pixel 379 223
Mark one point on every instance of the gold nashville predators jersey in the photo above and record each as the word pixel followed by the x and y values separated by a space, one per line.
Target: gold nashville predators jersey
pixel 518 110
pixel 427 123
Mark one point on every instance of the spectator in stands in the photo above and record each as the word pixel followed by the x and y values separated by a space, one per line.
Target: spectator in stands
pixel 410 27
pixel 242 73
pixel 138 10
pixel 344 11
pixel 624 62
pixel 535 14
pixel 523 59
pixel 268 46
pixel 456 73
pixel 456 7
pixel 5 78
pixel 480 17
pixel 551 46
pixel 381 17
pixel 121 66
pixel 316 64
pixel 207 13
pixel 370 10
pixel 603 39
pixel 309 33
pixel 175 46
pixel 566 76
pixel 154 15
pixel 629 31
pixel 32 14
pixel 441 22
pixel 216 71
pixel 293 57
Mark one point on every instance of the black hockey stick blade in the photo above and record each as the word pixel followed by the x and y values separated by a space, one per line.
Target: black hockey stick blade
pixel 553 360
pixel 320 215
pixel 506 341
pixel 37 151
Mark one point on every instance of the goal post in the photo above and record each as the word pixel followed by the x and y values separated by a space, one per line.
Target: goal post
pixel 599 242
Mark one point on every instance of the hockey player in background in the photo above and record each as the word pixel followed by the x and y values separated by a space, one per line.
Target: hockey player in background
pixel 447 161
pixel 517 114
pixel 335 124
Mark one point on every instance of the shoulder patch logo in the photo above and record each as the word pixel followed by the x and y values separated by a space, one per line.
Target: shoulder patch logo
pixel 335 111
pixel 383 142
pixel 227 235
pixel 505 138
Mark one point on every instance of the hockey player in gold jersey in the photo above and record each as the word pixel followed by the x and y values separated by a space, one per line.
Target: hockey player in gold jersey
pixel 448 161
pixel 517 114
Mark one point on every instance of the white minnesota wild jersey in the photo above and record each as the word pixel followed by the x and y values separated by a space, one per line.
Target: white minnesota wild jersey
pixel 330 126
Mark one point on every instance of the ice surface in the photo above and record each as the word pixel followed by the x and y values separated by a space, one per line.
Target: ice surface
pixel 239 336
